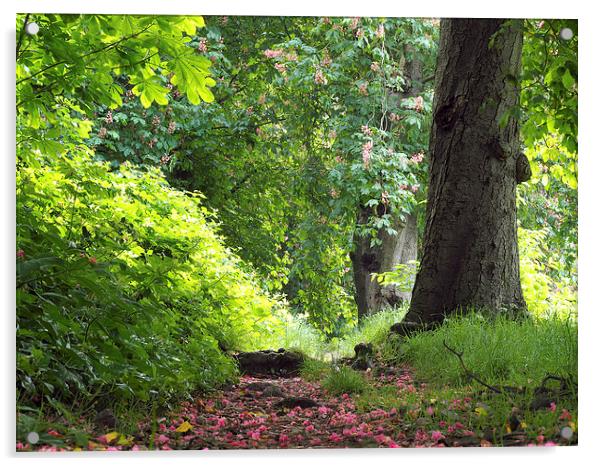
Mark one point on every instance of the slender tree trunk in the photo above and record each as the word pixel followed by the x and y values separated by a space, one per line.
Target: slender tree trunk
pixel 397 249
pixel 394 249
pixel 470 246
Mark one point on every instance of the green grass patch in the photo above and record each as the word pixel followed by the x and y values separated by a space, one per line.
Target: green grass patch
pixel 498 350
pixel 314 370
pixel 345 380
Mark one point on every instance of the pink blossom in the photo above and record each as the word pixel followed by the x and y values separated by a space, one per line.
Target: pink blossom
pixel 334 437
pixel 366 153
pixel 283 440
pixel 202 45
pixel 280 67
pixel 363 88
pixel 366 130
pixel 552 407
pixel 374 66
pixel 419 104
pixel 381 438
pixel 414 190
pixel 437 435
pixel 380 32
pixel 20 254
pixel 272 53
pixel 430 411
pixel 417 158
pixel 420 436
pixel 319 77
pixel 565 415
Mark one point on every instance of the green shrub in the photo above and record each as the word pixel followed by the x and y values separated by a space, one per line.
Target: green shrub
pixel 124 288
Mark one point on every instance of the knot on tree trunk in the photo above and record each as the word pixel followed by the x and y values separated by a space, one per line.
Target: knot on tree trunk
pixel 523 168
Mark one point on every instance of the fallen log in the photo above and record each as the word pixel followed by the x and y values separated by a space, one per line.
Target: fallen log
pixel 279 363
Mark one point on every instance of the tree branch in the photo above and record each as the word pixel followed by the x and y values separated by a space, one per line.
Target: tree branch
pixel 469 373
pixel 21 35
pixel 93 52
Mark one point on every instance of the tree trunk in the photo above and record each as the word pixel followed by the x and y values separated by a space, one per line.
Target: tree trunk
pixel 397 249
pixel 394 249
pixel 470 257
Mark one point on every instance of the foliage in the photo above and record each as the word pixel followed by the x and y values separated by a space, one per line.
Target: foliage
pixel 544 297
pixel 402 276
pixel 80 56
pixel 549 130
pixel 124 289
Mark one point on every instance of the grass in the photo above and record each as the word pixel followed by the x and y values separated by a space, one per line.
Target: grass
pixel 498 350
pixel 343 379
pixel 314 370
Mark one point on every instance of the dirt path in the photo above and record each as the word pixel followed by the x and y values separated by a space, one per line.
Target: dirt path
pixel 270 412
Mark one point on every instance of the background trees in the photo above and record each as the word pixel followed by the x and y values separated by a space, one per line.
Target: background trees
pixel 315 150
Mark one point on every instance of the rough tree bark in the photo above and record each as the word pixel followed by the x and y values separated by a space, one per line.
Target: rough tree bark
pixel 370 297
pixel 470 254
pixel 399 249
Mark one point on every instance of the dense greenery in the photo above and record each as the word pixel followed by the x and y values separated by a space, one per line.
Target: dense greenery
pixel 187 187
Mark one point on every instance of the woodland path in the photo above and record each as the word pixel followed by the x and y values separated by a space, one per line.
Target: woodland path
pixel 264 412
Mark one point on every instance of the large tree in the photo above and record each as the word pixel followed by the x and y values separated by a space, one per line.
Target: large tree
pixel 470 254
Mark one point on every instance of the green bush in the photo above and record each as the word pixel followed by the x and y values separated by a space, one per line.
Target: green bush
pixel 124 288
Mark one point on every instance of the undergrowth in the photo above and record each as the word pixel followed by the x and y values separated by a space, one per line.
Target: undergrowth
pixel 498 349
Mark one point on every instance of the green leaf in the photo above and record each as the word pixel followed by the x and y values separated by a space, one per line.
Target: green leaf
pixel 568 80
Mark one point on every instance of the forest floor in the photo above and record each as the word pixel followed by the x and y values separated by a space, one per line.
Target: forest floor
pixel 266 412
